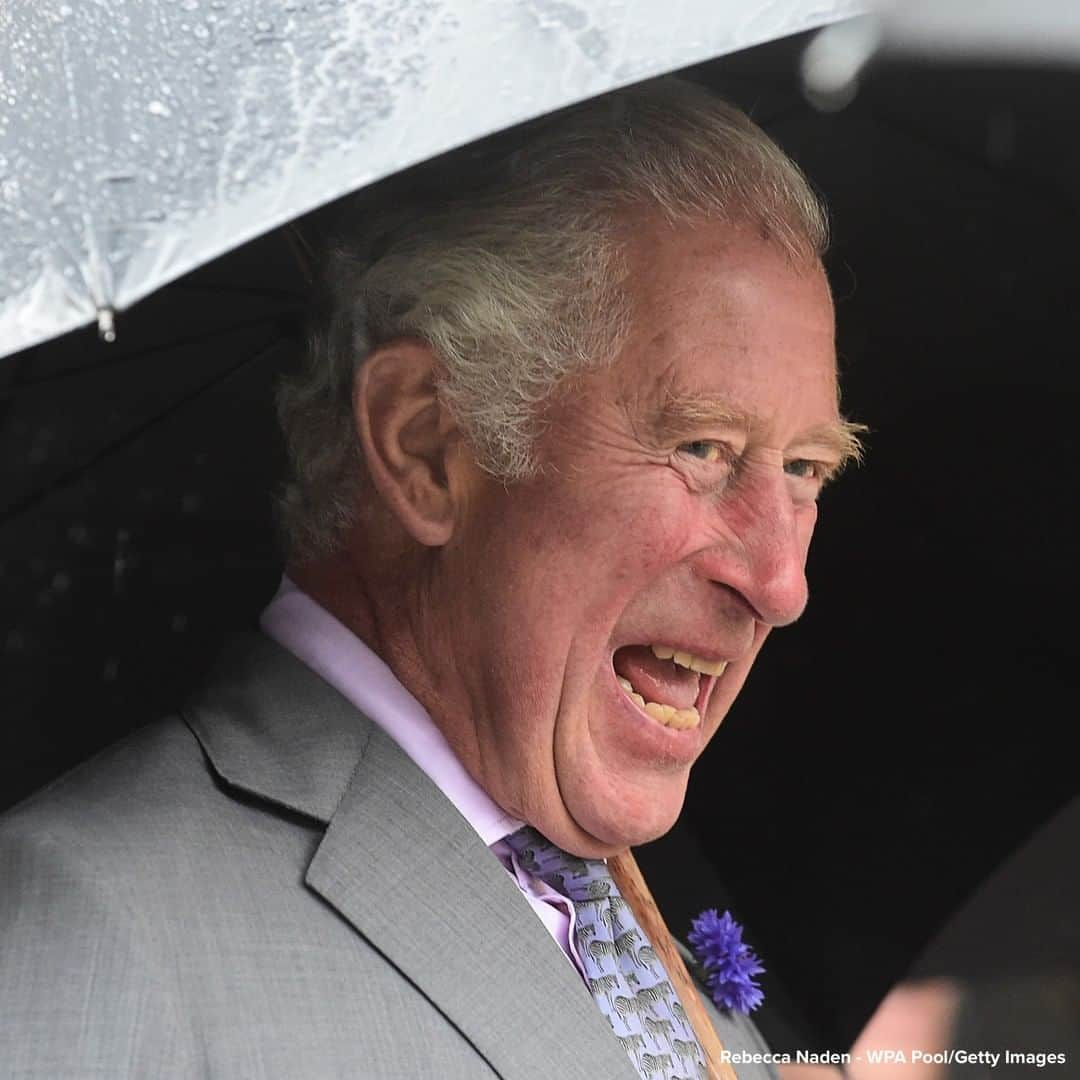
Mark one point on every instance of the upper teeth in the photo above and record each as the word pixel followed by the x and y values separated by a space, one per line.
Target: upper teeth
pixel 689 660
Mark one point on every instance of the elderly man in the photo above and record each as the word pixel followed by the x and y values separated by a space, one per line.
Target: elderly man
pixel 556 457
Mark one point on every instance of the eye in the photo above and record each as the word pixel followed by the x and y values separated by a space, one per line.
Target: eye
pixel 809 473
pixel 805 469
pixel 706 450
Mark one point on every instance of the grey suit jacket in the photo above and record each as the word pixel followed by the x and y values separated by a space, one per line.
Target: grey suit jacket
pixel 267 886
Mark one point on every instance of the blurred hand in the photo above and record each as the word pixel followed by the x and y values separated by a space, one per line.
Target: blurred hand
pixel 915 1016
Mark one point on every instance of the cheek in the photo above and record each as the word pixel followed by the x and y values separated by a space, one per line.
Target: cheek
pixel 586 550
pixel 646 538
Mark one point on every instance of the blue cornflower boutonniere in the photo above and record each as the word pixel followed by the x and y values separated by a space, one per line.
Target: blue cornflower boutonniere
pixel 728 963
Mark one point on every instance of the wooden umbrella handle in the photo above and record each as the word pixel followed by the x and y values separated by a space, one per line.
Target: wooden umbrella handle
pixel 624 869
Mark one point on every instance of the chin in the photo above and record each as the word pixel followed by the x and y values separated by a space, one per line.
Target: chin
pixel 639 821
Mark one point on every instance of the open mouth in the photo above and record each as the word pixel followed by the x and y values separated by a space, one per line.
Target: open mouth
pixel 669 685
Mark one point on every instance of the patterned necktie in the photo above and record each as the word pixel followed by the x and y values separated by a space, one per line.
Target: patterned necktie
pixel 624 974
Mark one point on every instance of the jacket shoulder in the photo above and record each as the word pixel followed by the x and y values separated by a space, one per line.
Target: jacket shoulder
pixel 83 991
pixel 143 777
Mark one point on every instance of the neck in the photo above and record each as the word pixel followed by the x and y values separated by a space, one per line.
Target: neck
pixel 334 585
pixel 384 602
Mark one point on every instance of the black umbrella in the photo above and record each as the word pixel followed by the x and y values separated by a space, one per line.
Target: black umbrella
pixel 889 750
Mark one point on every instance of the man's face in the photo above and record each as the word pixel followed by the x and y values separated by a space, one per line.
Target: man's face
pixel 675 514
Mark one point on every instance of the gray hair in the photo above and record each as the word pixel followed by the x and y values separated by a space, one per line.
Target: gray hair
pixel 508 260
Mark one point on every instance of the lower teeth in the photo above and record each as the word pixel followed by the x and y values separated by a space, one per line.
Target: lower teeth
pixel 668 715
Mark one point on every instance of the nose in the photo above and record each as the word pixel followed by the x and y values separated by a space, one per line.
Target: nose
pixel 763 554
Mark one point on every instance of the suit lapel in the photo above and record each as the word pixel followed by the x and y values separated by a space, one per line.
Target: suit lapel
pixel 273 728
pixel 412 876
pixel 405 869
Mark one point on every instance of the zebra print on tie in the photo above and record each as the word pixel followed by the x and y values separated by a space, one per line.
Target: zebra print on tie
pixel 623 973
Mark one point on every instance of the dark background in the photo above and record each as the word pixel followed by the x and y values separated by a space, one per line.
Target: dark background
pixel 890 749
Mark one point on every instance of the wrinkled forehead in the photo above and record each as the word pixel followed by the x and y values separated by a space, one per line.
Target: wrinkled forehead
pixel 731 320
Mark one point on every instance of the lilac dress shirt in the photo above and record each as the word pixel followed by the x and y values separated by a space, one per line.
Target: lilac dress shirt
pixel 296 622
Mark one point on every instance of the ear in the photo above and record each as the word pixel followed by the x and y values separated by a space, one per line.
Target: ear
pixel 408 438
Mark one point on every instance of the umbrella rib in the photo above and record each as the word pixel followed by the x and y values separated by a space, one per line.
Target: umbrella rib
pixel 30 501
pixel 194 339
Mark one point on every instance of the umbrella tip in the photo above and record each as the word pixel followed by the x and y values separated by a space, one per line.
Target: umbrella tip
pixel 834 59
pixel 106 324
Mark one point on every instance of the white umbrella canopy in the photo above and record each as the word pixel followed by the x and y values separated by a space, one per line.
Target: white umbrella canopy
pixel 139 141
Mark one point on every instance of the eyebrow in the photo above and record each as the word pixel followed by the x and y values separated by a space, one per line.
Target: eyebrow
pixel 683 415
pixel 841 437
